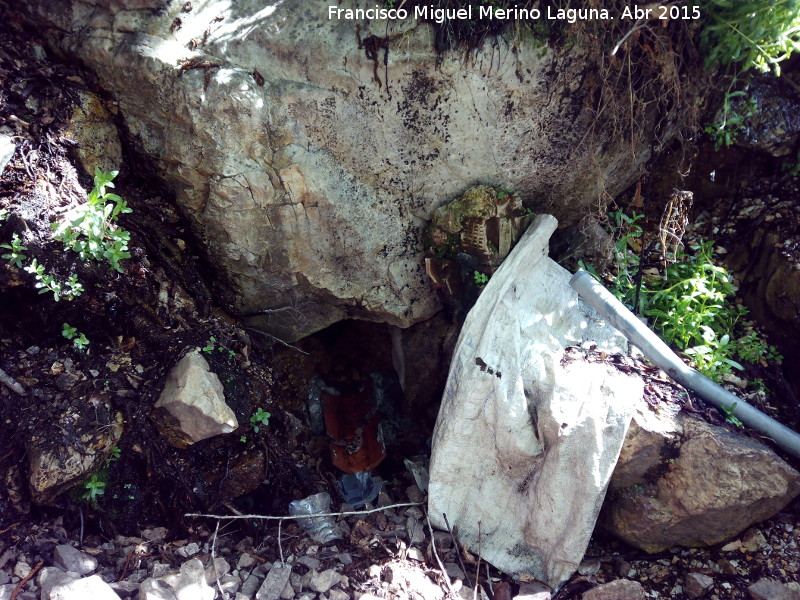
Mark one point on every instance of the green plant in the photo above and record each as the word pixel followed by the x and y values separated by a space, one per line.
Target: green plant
pixel 90 229
pixel 731 121
pixel 503 193
pixel 750 33
pixel 627 233
pixel 753 348
pixel 210 345
pixel 94 487
pixel 116 453
pixel 729 416
pixel 690 305
pixel 47 283
pixel 3 214
pixel 481 279
pixel 258 419
pixel 79 340
pixel 15 257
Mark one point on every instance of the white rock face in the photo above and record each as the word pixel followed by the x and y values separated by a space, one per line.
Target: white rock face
pixel 194 398
pixel 311 170
pixel 525 445
pixel 80 589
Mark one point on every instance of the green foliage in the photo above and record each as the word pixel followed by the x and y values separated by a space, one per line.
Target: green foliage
pixel 258 419
pixel 729 416
pixel 750 33
pixel 481 279
pixel 79 340
pixel 3 214
pixel 90 230
pixel 691 305
pixel 627 233
pixel 210 345
pixel 94 488
pixel 737 108
pixel 44 282
pixel 69 289
pixel 15 257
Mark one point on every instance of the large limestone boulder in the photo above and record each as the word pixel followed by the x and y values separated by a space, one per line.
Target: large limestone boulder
pixel 526 438
pixel 192 405
pixel 309 168
pixel 683 482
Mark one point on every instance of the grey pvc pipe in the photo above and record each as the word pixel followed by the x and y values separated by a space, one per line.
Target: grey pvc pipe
pixel 654 348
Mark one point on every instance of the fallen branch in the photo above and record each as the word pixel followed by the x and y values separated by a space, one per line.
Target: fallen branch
pixel 214 562
pixel 25 580
pixel 458 550
pixel 439 560
pixel 295 517
pixel 13 385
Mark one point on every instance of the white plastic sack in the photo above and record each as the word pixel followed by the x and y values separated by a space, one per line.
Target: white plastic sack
pixel 524 447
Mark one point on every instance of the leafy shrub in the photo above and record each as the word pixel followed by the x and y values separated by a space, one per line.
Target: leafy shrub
pixel 750 33
pixel 691 305
pixel 90 229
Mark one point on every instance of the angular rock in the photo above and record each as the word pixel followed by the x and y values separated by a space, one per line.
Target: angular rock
pixel 219 569
pixel 153 589
pixel 72 559
pixel 310 221
pixel 192 404
pixel 250 586
pixel 533 591
pixel 191 583
pixel 49 577
pixel 125 589
pixel 697 584
pixel 274 584
pixel 81 589
pixel 54 468
pixel 715 484
pixel 774 127
pixel 244 475
pixel 7 148
pixel 21 569
pixel 769 589
pixel 534 429
pixel 621 589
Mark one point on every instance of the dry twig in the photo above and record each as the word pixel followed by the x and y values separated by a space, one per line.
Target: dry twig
pixel 458 550
pixel 24 580
pixel 439 560
pixel 9 381
pixel 295 517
